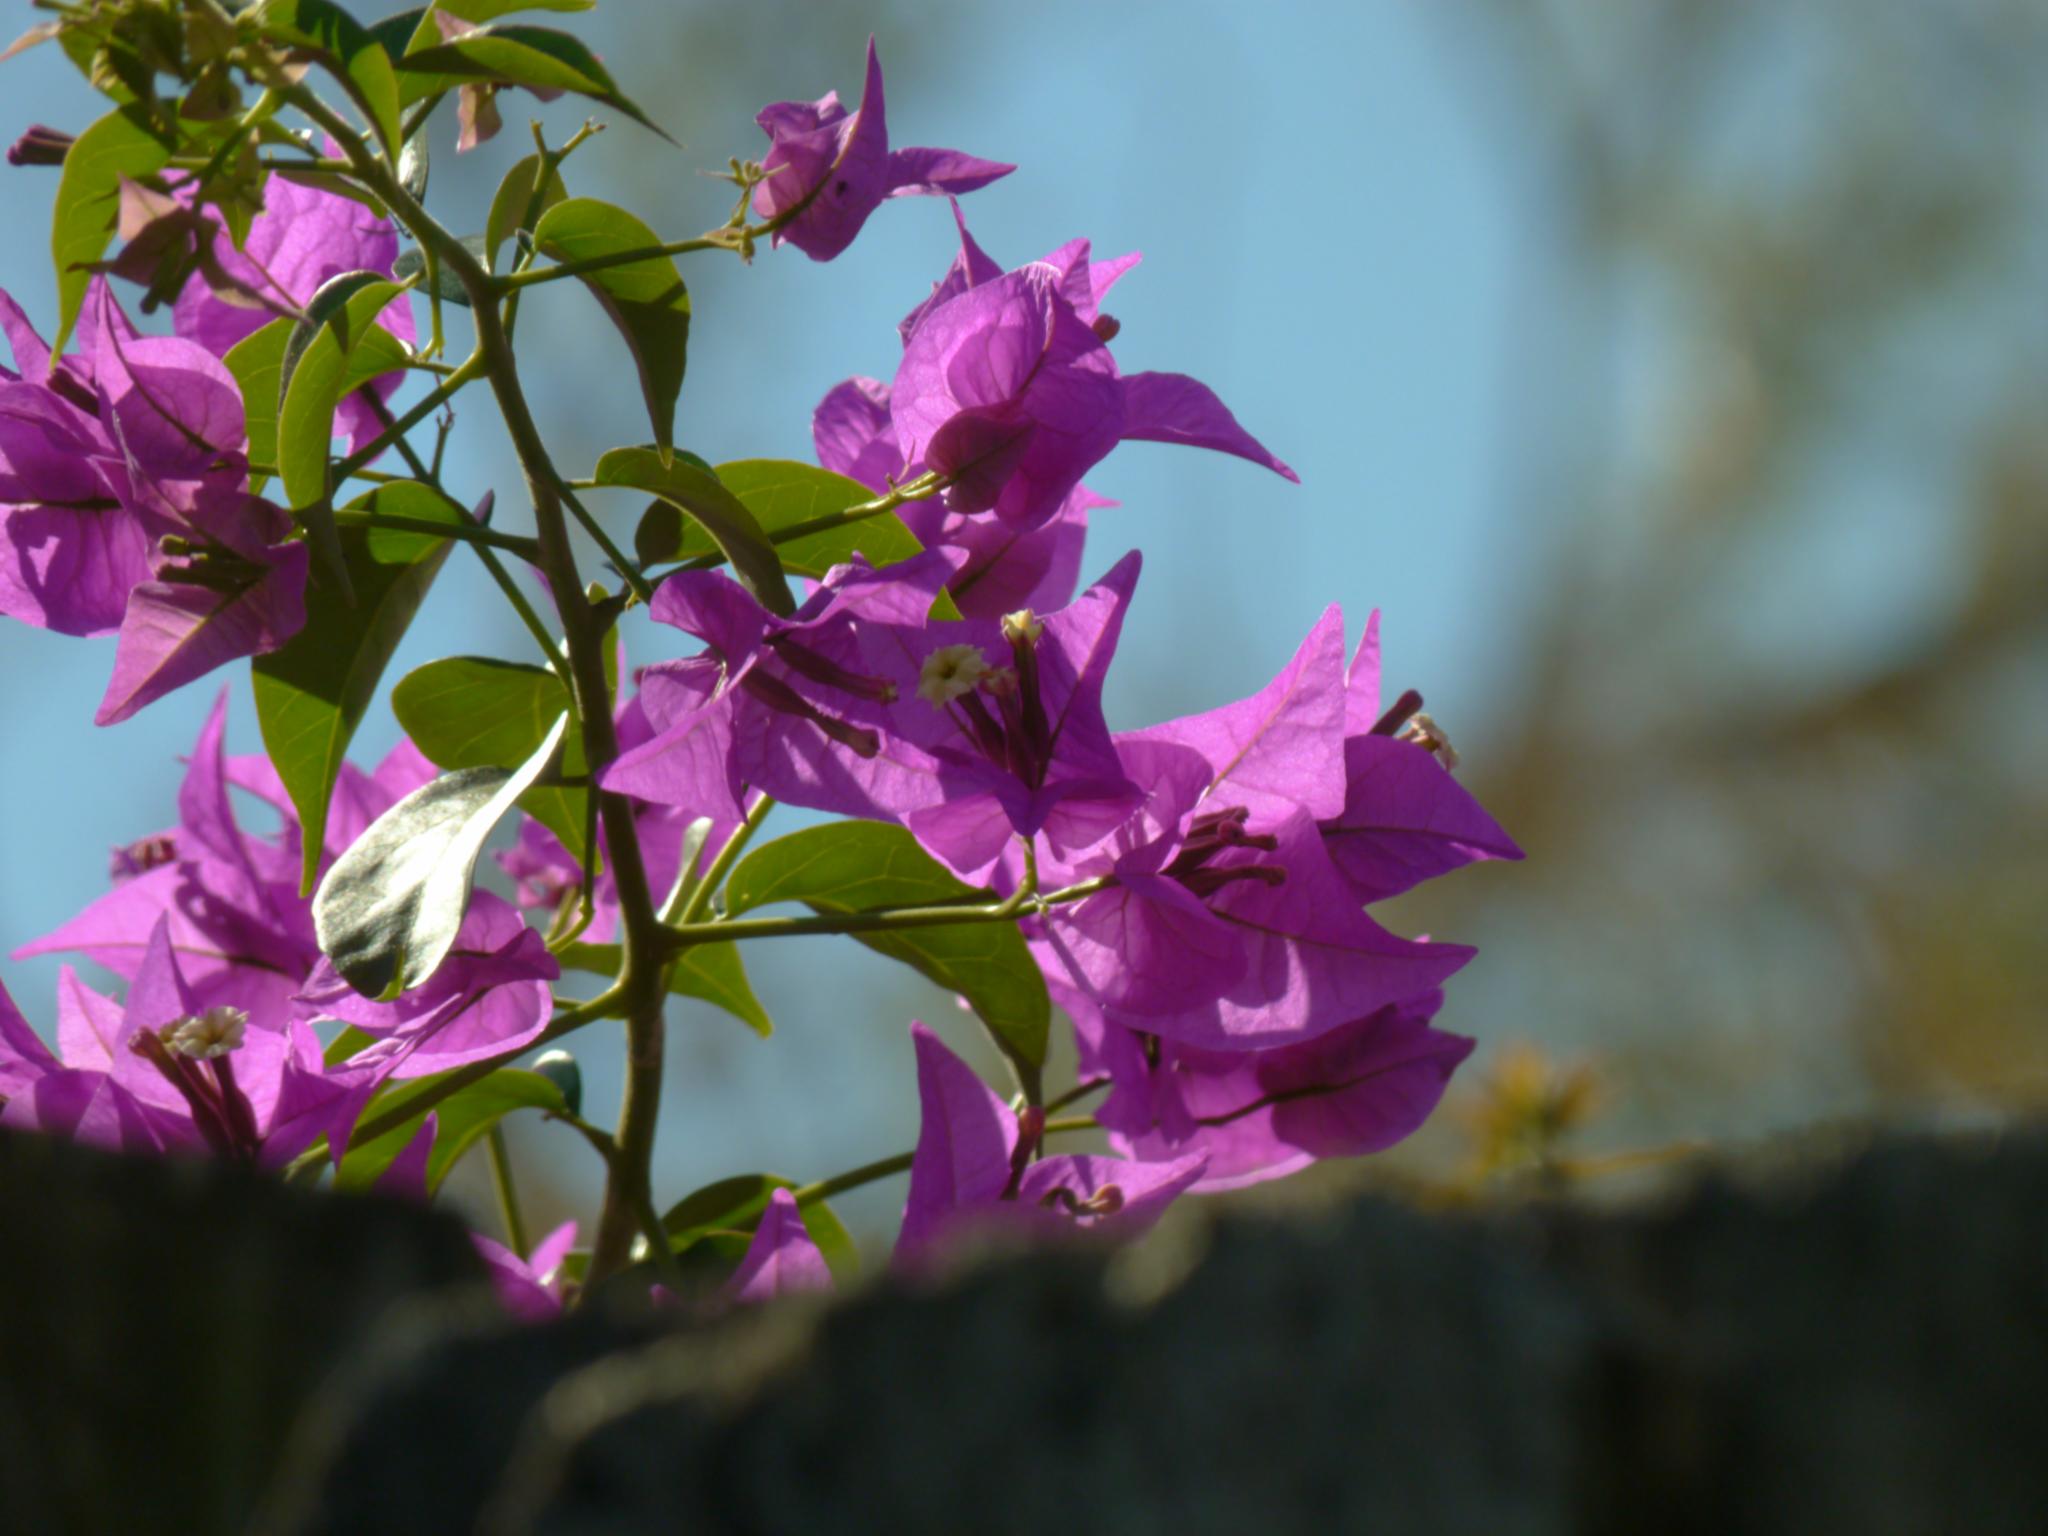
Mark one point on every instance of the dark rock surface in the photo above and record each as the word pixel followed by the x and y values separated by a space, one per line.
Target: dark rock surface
pixel 1856 1347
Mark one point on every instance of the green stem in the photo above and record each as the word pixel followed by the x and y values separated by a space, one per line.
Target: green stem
pixel 628 570
pixel 508 1192
pixel 699 899
pixel 869 1173
pixel 473 533
pixel 469 370
pixel 920 489
pixel 881 920
pixel 532 277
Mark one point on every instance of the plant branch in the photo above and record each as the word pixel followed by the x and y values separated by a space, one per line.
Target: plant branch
pixel 869 1173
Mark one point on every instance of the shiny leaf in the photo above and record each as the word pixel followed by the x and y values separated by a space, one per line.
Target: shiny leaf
pixel 388 911
pixel 855 866
pixel 312 694
pixel 722 515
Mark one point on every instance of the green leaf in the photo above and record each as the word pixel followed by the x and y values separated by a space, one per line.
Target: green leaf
pixel 736 1204
pixel 465 1117
pixel 783 494
pixel 388 911
pixel 721 514
pixel 519 204
pixel 477 712
pixel 412 261
pixel 257 362
pixel 312 694
pixel 352 52
pixel 855 866
pixel 537 57
pixel 336 348
pixel 123 143
pixel 645 299
pixel 711 973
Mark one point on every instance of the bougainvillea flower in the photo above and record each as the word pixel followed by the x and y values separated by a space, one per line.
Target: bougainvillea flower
pixel 159 1072
pixel 1405 819
pixel 302 238
pixel 1004 566
pixel 781 1259
pixel 1007 386
pixel 1353 1090
pixel 973 1165
pixel 489 996
pixel 243 934
pixel 836 167
pixel 775 703
pixel 1227 926
pixel 530 1289
pixel 997 728
pixel 124 503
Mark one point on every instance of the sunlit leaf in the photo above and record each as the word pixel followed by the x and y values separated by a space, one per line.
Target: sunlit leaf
pixel 124 143
pixel 856 866
pixel 388 911
pixel 722 515
pixel 312 694
pixel 464 1118
pixel 646 299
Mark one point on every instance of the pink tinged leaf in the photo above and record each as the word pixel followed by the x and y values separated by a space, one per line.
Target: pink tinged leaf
pixel 1010 567
pixel 71 570
pixel 1362 681
pixel 87 1107
pixel 964 1143
pixel 159 994
pixel 1173 408
pixel 852 435
pixel 842 166
pixel 175 632
pixel 406 1178
pixel 23 1056
pixel 1353 1091
pixel 1406 820
pixel 176 406
pixel 978 451
pixel 31 352
pixel 1146 947
pixel 923 172
pixel 1282 749
pixel 1313 959
pixel 972 267
pixel 1107 1194
pixel 91 1027
pixel 519 1289
pixel 781 1260
pixel 490 995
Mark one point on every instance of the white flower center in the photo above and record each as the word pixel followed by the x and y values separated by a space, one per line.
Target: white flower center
pixel 213 1033
pixel 951 671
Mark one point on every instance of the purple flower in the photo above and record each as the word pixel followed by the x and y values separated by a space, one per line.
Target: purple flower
pixel 836 167
pixel 124 504
pixel 1404 818
pixel 1008 388
pixel 1003 567
pixel 161 1072
pixel 489 996
pixel 974 1165
pixel 529 1288
pixel 303 237
pixel 1353 1090
pixel 1227 926
pixel 781 1259
pixel 773 703
pixel 997 728
pixel 242 933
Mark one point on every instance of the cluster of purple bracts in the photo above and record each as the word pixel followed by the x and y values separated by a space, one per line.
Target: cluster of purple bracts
pixel 1242 1013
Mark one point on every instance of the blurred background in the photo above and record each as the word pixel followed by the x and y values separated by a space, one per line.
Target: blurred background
pixel 1674 377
